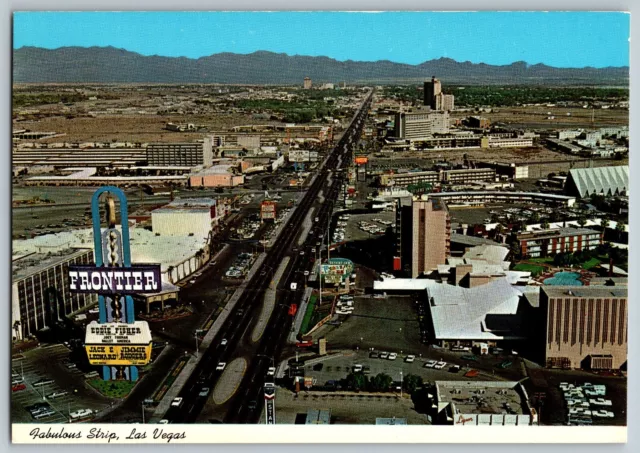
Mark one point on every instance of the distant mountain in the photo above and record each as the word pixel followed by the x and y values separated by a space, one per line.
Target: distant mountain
pixel 111 65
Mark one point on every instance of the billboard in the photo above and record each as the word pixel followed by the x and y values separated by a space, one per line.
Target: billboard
pixel 136 279
pixel 361 160
pixel 119 355
pixel 299 155
pixel 118 343
pixel 268 210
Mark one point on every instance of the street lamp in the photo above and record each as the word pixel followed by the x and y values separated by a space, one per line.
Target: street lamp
pixel 197 340
pixel 400 383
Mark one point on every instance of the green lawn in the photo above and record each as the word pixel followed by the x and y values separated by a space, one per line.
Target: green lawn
pixel 112 389
pixel 545 260
pixel 304 327
pixel 535 270
pixel 591 263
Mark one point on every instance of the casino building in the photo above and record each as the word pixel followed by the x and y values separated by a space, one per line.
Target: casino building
pixel 40 293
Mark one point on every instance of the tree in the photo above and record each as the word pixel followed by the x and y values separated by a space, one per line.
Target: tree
pixel 620 228
pixel 535 217
pixel 545 224
pixel 515 249
pixel 411 382
pixel 380 382
pixel 356 381
pixel 582 221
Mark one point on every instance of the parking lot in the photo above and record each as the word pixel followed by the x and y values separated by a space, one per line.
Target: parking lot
pixel 356 225
pixel 63 389
pixel 385 324
pixel 338 367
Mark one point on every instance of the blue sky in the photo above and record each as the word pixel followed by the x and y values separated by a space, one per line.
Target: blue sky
pixel 571 39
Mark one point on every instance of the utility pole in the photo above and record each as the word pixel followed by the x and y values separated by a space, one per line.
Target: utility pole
pixel 143 412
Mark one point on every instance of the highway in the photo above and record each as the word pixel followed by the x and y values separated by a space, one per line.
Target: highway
pixel 237 330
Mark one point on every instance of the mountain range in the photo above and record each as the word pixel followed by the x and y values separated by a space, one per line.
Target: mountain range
pixel 112 65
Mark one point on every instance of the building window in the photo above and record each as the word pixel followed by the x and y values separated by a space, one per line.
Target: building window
pixel 597 326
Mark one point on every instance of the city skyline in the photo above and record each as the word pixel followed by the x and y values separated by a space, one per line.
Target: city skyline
pixel 409 37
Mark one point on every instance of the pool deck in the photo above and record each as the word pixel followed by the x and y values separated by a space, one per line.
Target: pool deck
pixel 584 276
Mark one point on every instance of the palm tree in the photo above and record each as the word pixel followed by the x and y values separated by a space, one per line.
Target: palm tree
pixel 620 228
pixel 582 221
pixel 16 328
pixel 604 223
pixel 169 272
pixel 545 224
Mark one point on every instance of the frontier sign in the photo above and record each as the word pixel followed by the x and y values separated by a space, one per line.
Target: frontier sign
pixel 120 280
pixel 118 343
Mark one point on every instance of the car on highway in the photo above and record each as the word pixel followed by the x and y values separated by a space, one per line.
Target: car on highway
pixel 301 252
pixel 306 273
pixel 253 404
pixel 410 358
pixel 192 281
pixel 271 371
pixel 430 364
pixel 294 286
pixel 440 365
pixel 221 366
pixel 392 356
pixel 204 392
pixel 223 342
pixel 164 421
pixel 177 402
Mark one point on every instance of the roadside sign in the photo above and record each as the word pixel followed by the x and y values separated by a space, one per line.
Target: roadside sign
pixel 118 343
pixel 135 279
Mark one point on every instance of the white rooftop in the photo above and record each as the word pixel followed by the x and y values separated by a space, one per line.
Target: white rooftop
pixel 146 247
pixel 461 313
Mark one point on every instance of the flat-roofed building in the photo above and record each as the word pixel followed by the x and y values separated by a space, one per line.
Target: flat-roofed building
pixel 420 124
pixel 318 417
pixel 184 217
pixel 477 403
pixel 406 179
pixel 585 326
pixel 40 294
pixel 549 242
pixel 217 176
pixel 468 175
pixel 181 154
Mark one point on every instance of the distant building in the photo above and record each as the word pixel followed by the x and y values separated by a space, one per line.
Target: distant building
pixel 583 182
pixel 443 102
pixel 432 88
pixel 420 124
pixel 217 176
pixel 467 175
pixel 423 234
pixel 585 326
pixel 181 154
pixel 549 242
pixel 307 83
pixel 390 421
pixel 40 294
pixel 482 403
pixel 478 122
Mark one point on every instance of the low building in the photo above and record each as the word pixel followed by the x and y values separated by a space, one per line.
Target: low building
pixel 511 171
pixel 549 242
pixel 478 122
pixel 467 175
pixel 478 403
pixel 585 326
pixel 217 176
pixel 607 181
pixel 488 314
pixel 475 198
pixel 40 294
pixel 187 217
pixel 407 179
pixel 390 421
pixel 508 142
pixel 168 295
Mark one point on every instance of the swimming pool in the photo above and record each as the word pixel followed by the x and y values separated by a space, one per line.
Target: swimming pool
pixel 564 278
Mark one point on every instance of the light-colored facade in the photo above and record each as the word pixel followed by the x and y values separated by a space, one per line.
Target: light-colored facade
pixel 444 102
pixel 181 154
pixel 40 293
pixel 469 175
pixel 585 326
pixel 190 217
pixel 406 179
pixel 307 83
pixel 478 403
pixel 420 124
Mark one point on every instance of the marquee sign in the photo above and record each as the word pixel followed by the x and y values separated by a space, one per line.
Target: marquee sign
pixel 118 343
pixel 118 355
pixel 135 279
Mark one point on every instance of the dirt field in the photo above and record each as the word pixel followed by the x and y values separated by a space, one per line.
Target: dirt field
pixel 536 117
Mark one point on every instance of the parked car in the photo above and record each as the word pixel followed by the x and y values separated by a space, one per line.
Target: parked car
pixel 410 358
pixel 454 368
pixel 18 387
pixel 393 356
pixel 430 364
pixel 600 402
pixel 384 355
pixel 357 368
pixel 440 365
pixel 603 413
pixel 471 373
pixel 373 355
